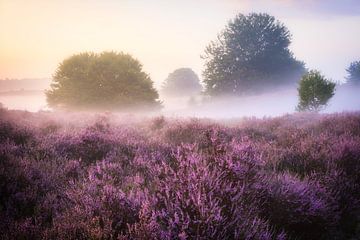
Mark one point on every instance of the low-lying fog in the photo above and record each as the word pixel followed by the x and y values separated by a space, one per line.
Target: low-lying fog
pixel 276 103
pixel 30 101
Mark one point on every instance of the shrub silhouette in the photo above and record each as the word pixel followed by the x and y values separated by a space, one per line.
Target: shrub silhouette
pixel 314 91
pixel 250 55
pixel 108 81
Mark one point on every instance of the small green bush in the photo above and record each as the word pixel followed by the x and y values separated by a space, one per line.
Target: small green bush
pixel 314 91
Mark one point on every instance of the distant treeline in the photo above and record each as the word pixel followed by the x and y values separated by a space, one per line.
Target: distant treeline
pixel 9 85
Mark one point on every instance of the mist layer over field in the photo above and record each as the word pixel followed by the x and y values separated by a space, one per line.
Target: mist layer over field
pixel 273 103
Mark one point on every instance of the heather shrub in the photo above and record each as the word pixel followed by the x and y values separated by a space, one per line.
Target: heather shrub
pixel 88 145
pixel 26 189
pixel 103 204
pixel 257 134
pixel 73 170
pixel 147 226
pixel 10 131
pixel 340 124
pixel 187 132
pixel 344 181
pixel 307 156
pixel 84 176
pixel 49 127
pixel 301 208
pixel 209 199
pixel 157 123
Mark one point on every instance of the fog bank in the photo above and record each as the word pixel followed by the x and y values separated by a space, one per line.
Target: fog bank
pixel 275 103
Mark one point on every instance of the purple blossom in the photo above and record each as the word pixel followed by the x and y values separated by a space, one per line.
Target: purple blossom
pixel 85 176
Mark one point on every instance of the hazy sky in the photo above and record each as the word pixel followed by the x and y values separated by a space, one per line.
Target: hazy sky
pixel 35 35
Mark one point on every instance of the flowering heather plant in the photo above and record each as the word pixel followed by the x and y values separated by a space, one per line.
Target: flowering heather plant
pixel 101 211
pixel 85 176
pixel 302 208
pixel 204 198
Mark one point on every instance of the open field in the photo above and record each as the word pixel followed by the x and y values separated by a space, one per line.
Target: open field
pixel 103 176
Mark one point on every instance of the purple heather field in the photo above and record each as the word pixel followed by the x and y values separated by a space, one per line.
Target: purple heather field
pixel 179 120
pixel 105 176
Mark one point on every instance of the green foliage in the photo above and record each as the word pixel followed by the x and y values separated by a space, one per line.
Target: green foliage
pixel 250 54
pixel 354 73
pixel 182 82
pixel 108 81
pixel 314 91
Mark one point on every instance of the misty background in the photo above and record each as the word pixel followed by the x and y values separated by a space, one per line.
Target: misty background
pixel 28 94
pixel 165 35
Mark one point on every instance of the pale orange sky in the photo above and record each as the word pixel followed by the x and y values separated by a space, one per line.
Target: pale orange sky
pixel 35 35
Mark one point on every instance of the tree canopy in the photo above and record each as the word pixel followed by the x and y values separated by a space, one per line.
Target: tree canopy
pixel 354 73
pixel 108 81
pixel 181 82
pixel 314 91
pixel 251 54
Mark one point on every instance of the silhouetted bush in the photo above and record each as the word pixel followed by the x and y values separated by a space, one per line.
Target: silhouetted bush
pixel 183 82
pixel 250 55
pixel 314 91
pixel 354 73
pixel 107 81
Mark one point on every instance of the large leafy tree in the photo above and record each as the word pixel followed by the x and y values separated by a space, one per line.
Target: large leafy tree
pixel 251 54
pixel 354 73
pixel 109 81
pixel 314 91
pixel 181 82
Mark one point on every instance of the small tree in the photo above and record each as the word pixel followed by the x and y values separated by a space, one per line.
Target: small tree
pixel 251 54
pixel 107 81
pixel 314 91
pixel 181 82
pixel 354 73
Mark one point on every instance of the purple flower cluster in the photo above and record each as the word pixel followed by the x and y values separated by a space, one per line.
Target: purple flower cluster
pixel 84 176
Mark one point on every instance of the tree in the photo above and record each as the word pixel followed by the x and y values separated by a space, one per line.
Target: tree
pixel 354 73
pixel 182 82
pixel 251 54
pixel 314 91
pixel 107 81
